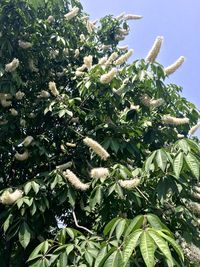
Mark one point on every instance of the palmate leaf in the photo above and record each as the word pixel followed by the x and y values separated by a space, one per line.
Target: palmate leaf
pixel 178 164
pixel 162 245
pixel 149 161
pixel 147 248
pixel 135 224
pixel 193 164
pixel 173 243
pixel 114 260
pixel 161 159
pixel 129 246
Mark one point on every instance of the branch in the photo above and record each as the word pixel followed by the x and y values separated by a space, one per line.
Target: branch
pixel 79 226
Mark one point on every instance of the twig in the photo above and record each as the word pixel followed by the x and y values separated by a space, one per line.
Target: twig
pixel 79 226
pixel 142 194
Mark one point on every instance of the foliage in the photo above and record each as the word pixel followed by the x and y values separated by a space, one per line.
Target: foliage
pixel 106 225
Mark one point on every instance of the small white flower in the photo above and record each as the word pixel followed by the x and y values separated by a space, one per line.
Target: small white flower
pixel 73 13
pixel 32 66
pixel 129 184
pixel 23 156
pixel 27 141
pixel 124 58
pixel 153 53
pixel 5 103
pixel 13 112
pixel 132 17
pixel 150 102
pixel 88 61
pixel 167 119
pixel 111 58
pixel 99 173
pixel 82 38
pixel 19 95
pixel 103 60
pixel 24 45
pixel 97 148
pixel 12 66
pixel 107 78
pixel 78 73
pixel 53 89
pixel 50 19
pixel 8 198
pixel 77 53
pixel 172 68
pixel 81 68
pixel 43 94
pixel 194 129
pixel 75 181
pixel 122 48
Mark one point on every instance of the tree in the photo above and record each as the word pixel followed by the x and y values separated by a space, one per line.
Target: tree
pixel 99 166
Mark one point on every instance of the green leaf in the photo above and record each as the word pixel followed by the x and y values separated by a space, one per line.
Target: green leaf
pixel 147 248
pixel 193 164
pixel 149 161
pixel 114 260
pixel 161 159
pixel 35 186
pixel 156 223
pixel 27 188
pixel 178 164
pixel 100 256
pixel 162 245
pixel 176 247
pixel 120 228
pixel 35 252
pixel 184 146
pixel 109 225
pixel 7 222
pixel 134 225
pixel 130 244
pixel 24 234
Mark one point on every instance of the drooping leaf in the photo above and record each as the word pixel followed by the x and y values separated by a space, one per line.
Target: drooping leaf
pixel 147 248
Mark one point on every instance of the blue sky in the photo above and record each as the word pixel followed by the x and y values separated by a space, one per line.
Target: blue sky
pixel 177 20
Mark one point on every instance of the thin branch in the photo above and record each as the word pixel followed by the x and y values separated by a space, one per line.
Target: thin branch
pixel 142 194
pixel 79 226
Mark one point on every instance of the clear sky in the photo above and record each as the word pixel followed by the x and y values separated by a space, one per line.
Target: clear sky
pixel 177 20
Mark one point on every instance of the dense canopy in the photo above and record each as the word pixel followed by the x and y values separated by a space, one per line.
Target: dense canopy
pixel 99 159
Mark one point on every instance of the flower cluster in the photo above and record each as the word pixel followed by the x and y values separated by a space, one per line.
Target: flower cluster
pixel 122 48
pixel 107 78
pixel 172 68
pixel 97 148
pixel 124 58
pixel 19 95
pixel 5 100
pixel 88 61
pixel 103 60
pixel 13 112
pixel 150 102
pixel 191 252
pixel 75 181
pixel 132 17
pixel 111 58
pixel 129 184
pixel 27 141
pixel 195 207
pixel 53 89
pixel 153 53
pixel 32 66
pixel 194 129
pixel 43 94
pixel 23 156
pixel 73 13
pixel 12 66
pixel 167 119
pixel 99 172
pixel 24 45
pixel 8 198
